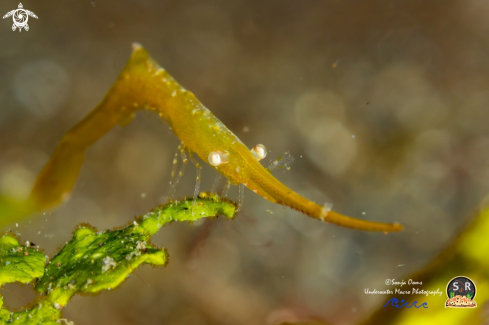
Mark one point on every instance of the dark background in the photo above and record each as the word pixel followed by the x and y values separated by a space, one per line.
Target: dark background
pixel 382 103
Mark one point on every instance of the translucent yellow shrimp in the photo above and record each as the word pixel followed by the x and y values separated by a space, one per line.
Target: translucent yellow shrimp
pixel 144 85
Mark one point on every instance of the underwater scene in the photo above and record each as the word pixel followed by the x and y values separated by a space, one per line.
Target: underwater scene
pixel 274 162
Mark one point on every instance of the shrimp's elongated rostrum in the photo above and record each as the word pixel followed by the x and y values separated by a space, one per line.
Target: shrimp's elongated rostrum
pixel 143 84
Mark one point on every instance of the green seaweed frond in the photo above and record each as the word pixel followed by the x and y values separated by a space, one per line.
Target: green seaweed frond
pixel 93 261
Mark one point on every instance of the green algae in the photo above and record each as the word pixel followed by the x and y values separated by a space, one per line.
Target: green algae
pixel 94 261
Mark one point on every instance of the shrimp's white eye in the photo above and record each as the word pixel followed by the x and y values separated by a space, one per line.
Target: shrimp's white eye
pixel 217 158
pixel 259 151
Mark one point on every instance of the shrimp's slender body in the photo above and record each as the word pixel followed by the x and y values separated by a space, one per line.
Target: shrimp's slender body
pixel 144 85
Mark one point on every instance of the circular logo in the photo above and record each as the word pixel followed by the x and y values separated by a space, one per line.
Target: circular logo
pixel 20 17
pixel 461 292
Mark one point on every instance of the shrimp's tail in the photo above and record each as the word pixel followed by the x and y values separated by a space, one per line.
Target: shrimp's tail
pixel 273 190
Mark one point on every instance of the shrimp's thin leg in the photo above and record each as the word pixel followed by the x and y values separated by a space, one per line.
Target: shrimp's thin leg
pixel 216 184
pixel 241 197
pixel 181 171
pixel 226 188
pixel 199 174
pixel 184 164
pixel 173 173
pixel 282 162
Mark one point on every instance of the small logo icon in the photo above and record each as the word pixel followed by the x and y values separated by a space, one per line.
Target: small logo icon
pixel 461 293
pixel 20 17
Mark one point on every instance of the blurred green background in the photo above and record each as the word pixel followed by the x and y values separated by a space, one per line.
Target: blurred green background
pixel 382 103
